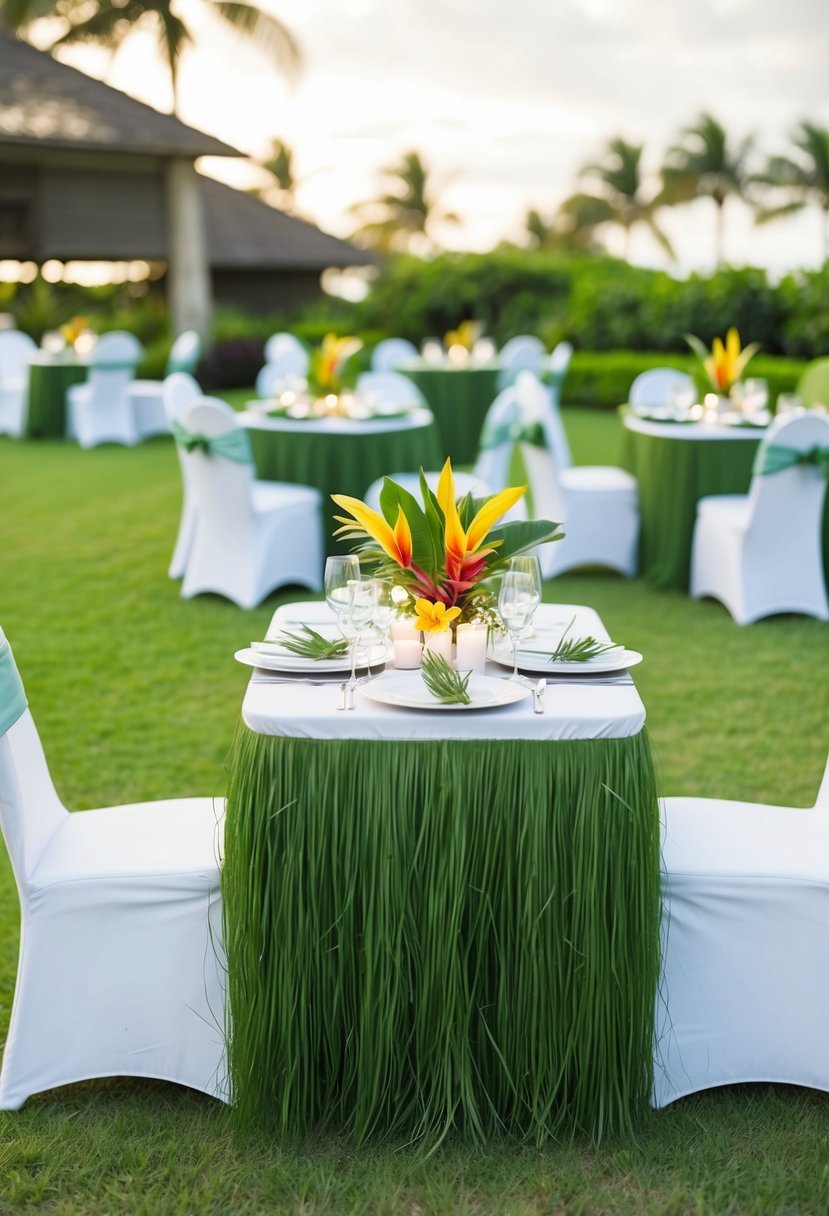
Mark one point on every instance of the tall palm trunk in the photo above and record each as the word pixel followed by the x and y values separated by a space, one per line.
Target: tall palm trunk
pixel 720 230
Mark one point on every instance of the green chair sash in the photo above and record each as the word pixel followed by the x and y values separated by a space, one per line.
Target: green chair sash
pixel 775 458
pixel 517 430
pixel 12 697
pixel 232 445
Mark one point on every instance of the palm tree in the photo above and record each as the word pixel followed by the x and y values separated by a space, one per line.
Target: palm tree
pixel 111 22
pixel 566 231
pixel 280 164
pixel 804 177
pixel 704 165
pixel 403 217
pixel 618 198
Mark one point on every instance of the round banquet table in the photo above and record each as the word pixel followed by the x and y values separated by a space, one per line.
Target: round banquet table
pixel 49 379
pixel 340 455
pixel 459 396
pixel 677 464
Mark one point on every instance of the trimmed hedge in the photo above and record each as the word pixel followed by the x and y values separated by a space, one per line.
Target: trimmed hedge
pixel 602 379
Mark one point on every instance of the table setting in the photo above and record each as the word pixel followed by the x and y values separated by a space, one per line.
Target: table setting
pixel 441 874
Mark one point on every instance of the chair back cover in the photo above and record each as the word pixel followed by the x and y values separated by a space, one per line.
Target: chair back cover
pixel 389 388
pixel 541 401
pixel 813 385
pixel 791 500
pixel 30 810
pixel 559 360
pixel 390 353
pixel 498 438
pixel 15 349
pixel 221 487
pixel 522 354
pixel 287 353
pixel 822 800
pixel 185 353
pixel 113 362
pixel 653 387
pixel 178 391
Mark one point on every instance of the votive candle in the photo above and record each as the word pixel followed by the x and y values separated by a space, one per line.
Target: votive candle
pixel 471 648
pixel 406 653
pixel 440 643
pixel 403 630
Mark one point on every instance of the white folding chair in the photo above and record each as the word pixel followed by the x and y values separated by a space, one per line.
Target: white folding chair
pixel 15 351
pixel 249 536
pixel 120 970
pixel 179 391
pixel 390 353
pixel 146 396
pixel 524 353
pixel 597 504
pixel 389 388
pixel 760 553
pixel 492 467
pixel 99 411
pixel 652 389
pixel 744 994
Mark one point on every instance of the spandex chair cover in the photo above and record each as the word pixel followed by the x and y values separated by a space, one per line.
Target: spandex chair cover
pixel 653 388
pixel 761 553
pixel 120 970
pixel 99 411
pixel 390 353
pixel 744 994
pixel 146 397
pixel 15 350
pixel 249 536
pixel 179 391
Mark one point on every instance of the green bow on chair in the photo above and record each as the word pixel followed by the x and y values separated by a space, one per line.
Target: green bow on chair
pixel 12 696
pixel 775 458
pixel 514 431
pixel 233 445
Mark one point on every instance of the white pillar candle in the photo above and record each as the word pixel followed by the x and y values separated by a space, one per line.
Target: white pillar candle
pixel 403 630
pixel 406 653
pixel 440 643
pixel 471 648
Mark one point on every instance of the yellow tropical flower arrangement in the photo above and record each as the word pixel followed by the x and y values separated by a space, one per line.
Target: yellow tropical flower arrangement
pixel 72 330
pixel 725 363
pixel 328 371
pixel 465 336
pixel 444 549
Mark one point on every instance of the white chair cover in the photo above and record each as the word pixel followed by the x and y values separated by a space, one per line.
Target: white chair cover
pixel 100 411
pixel 146 396
pixel 120 970
pixel 15 351
pixel 524 353
pixel 390 353
pixel 286 362
pixel 389 388
pixel 653 388
pixel 249 537
pixel 760 553
pixel 598 505
pixel 744 994
pixel 179 391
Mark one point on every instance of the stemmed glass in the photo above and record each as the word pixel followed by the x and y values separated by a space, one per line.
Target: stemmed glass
pixel 340 571
pixel 518 599
pixel 385 608
pixel 354 619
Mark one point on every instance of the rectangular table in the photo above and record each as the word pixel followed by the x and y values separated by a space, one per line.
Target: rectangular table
pixel 442 921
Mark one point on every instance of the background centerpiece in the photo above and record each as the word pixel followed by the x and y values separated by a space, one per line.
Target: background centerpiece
pixel 327 389
pixel 443 550
pixel 723 367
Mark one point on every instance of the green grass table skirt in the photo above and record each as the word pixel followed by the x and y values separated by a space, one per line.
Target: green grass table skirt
pixel 459 398
pixel 673 475
pixel 48 382
pixel 425 937
pixel 342 464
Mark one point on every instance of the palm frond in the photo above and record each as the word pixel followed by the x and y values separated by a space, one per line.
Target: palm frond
pixel 272 37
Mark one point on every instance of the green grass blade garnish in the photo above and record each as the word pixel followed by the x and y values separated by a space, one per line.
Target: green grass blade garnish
pixel 578 650
pixel 312 645
pixel 443 681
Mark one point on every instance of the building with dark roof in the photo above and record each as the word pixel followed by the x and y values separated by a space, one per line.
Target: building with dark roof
pixel 88 173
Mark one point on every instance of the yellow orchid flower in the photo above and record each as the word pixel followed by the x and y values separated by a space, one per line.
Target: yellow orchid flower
pixel 458 542
pixel 395 542
pixel 434 618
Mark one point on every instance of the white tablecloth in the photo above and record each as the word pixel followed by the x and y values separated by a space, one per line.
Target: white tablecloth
pixel 572 711
pixel 255 419
pixel 692 430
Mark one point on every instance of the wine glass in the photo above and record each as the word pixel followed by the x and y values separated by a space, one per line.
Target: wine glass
pixel 531 567
pixel 385 608
pixel 354 618
pixel 517 601
pixel 339 572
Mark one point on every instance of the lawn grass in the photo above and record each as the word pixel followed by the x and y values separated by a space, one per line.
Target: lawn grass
pixel 136 696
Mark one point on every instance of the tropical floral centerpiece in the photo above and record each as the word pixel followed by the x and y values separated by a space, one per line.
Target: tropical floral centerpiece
pixel 72 330
pixel 443 550
pixel 328 371
pixel 725 363
pixel 465 336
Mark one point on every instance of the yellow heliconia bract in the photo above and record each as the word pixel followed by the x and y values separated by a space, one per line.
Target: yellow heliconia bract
pixel 434 618
pixel 458 542
pixel 395 542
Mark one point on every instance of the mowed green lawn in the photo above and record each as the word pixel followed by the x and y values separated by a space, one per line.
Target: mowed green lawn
pixel 136 695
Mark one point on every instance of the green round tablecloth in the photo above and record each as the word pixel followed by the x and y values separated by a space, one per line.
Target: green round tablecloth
pixel 48 382
pixel 674 473
pixel 338 463
pixel 459 397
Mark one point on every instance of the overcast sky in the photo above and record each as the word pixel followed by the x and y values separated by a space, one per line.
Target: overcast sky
pixel 506 100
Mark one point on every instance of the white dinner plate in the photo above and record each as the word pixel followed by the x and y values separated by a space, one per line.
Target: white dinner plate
pixel 407 690
pixel 283 660
pixel 534 659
